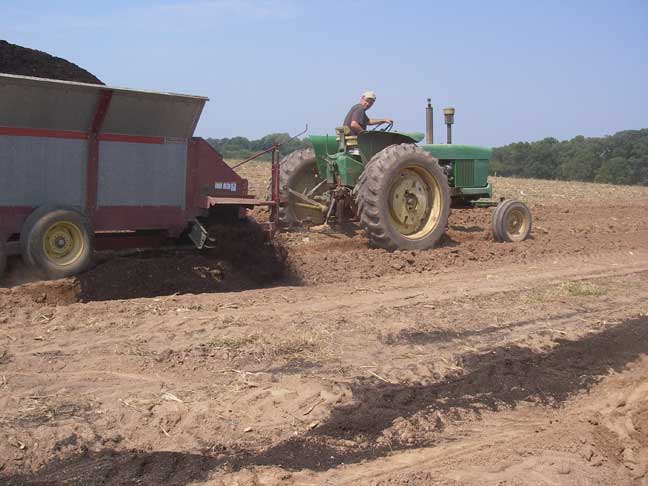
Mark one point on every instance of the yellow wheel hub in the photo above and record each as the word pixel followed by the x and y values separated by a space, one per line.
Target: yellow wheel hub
pixel 516 223
pixel 415 202
pixel 63 243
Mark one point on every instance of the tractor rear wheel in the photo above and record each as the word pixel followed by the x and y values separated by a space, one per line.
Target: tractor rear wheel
pixel 511 221
pixel 59 242
pixel 298 172
pixel 403 199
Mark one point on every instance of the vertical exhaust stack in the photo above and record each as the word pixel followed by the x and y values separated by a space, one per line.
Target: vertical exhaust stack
pixel 449 120
pixel 429 127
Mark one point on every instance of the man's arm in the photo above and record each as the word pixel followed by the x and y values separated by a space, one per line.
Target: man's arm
pixel 355 127
pixel 378 121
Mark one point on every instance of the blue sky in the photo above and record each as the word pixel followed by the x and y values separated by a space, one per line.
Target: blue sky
pixel 514 70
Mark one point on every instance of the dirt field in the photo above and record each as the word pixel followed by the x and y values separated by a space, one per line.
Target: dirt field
pixel 318 361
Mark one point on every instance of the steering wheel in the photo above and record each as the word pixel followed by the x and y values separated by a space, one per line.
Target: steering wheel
pixel 386 128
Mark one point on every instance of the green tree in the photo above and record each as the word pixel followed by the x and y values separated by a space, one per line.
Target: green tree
pixel 542 160
pixel 510 160
pixel 242 148
pixel 615 171
pixel 618 159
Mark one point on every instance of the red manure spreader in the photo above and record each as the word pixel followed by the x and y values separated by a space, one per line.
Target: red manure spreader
pixel 85 167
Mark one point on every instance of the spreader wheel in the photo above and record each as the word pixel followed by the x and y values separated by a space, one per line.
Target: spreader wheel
pixel 403 199
pixel 298 172
pixel 512 221
pixel 58 242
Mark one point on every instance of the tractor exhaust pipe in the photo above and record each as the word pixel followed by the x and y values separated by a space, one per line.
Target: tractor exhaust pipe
pixel 429 128
pixel 448 113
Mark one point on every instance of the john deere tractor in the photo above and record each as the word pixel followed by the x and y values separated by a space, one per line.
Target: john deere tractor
pixel 399 191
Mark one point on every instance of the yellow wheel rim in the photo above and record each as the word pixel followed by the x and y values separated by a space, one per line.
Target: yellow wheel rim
pixel 414 202
pixel 63 243
pixel 516 223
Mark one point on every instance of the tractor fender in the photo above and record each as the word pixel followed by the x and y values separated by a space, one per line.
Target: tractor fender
pixel 370 142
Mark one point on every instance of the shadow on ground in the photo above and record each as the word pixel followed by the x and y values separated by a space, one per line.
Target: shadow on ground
pixel 499 379
pixel 242 257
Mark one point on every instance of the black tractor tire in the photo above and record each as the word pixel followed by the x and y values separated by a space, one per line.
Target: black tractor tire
pixel 511 221
pixel 3 256
pixel 403 199
pixel 361 181
pixel 298 171
pixel 495 216
pixel 58 242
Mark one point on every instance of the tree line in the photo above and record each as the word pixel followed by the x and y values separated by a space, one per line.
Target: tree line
pixel 238 148
pixel 621 158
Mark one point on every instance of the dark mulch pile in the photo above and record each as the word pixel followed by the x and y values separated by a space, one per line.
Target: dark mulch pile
pixel 29 62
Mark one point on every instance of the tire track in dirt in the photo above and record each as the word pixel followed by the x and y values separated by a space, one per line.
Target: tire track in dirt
pixel 520 446
pixel 455 442
pixel 375 420
pixel 390 293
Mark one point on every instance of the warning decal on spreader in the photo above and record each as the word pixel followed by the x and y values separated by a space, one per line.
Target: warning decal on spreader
pixel 226 186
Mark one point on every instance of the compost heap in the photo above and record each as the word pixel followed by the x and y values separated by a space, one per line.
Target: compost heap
pixel 29 62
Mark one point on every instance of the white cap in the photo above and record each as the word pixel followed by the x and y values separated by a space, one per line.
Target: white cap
pixel 370 95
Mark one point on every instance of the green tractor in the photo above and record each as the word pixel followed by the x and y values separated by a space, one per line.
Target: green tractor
pixel 399 191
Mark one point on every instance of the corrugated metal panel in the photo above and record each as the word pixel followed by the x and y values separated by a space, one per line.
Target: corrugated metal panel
pixel 141 174
pixel 27 103
pixel 63 105
pixel 35 171
pixel 147 114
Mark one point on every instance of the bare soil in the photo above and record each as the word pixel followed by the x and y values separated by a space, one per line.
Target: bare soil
pixel 312 359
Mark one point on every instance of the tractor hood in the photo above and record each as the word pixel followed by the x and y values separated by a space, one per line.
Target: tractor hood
pixel 458 152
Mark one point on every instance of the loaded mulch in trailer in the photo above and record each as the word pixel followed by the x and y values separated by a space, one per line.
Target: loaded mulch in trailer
pixel 23 61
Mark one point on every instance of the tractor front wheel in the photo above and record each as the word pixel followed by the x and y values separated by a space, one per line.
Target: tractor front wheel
pixel 512 221
pixel 298 172
pixel 403 199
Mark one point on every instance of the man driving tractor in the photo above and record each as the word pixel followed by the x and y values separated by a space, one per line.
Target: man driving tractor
pixel 357 119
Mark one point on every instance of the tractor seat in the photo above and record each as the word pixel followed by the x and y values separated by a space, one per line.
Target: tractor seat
pixel 349 140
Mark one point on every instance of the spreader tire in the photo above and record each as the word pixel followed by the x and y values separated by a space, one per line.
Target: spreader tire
pixel 298 171
pixel 27 226
pixel 59 242
pixel 403 199
pixel 512 221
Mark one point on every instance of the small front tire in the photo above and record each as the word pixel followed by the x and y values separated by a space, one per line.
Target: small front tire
pixel 512 221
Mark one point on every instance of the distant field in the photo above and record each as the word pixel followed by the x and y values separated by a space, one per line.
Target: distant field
pixel 528 190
